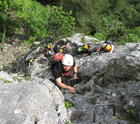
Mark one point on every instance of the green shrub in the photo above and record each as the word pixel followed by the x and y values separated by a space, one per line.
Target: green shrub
pixel 109 17
pixel 30 40
pixel 11 12
pixel 61 24
pixel 68 104
pixel 112 27
pixel 99 36
pixel 130 36
pixel 38 21
pixel 45 21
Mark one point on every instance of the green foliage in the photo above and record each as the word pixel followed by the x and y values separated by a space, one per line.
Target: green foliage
pixel 111 27
pixel 116 20
pixel 19 78
pixel 68 104
pixel 132 35
pixel 130 115
pixel 5 80
pixel 99 36
pixel 45 21
pixel 112 18
pixel 68 122
pixel 11 11
pixel 127 10
pixel 83 40
pixel 86 13
pixel 131 38
pixel 38 21
pixel 130 112
pixel 8 7
pixel 29 41
pixel 61 24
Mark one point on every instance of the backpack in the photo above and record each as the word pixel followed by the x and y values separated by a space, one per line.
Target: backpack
pixel 58 56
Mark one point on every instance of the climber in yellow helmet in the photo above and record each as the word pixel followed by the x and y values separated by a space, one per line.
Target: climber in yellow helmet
pixel 30 61
pixel 85 50
pixel 107 46
pixel 48 51
pixel 48 47
pixel 86 47
pixel 60 50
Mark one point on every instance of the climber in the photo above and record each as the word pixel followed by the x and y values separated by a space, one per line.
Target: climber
pixel 107 46
pixel 62 48
pixel 48 48
pixel 48 51
pixel 30 61
pixel 54 56
pixel 85 49
pixel 65 73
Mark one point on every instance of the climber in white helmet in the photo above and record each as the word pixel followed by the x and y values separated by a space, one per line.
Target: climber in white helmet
pixel 65 73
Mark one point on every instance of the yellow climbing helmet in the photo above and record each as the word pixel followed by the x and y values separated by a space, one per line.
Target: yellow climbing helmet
pixel 86 47
pixel 49 46
pixel 60 50
pixel 31 60
pixel 107 48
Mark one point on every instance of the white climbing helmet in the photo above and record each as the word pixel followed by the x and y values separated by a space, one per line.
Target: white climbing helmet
pixel 67 60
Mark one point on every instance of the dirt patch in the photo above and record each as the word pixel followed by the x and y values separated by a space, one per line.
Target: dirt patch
pixel 11 52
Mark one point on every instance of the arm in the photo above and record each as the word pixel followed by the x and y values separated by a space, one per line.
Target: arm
pixel 64 46
pixel 112 49
pixel 64 86
pixel 75 69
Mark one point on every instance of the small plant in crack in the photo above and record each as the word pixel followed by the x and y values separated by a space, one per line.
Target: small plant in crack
pixel 92 100
pixel 68 104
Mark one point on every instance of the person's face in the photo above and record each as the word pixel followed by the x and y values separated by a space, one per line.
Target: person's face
pixel 66 68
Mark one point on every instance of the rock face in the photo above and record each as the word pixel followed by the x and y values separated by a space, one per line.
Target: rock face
pixel 111 93
pixel 125 59
pixel 108 94
pixel 36 101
